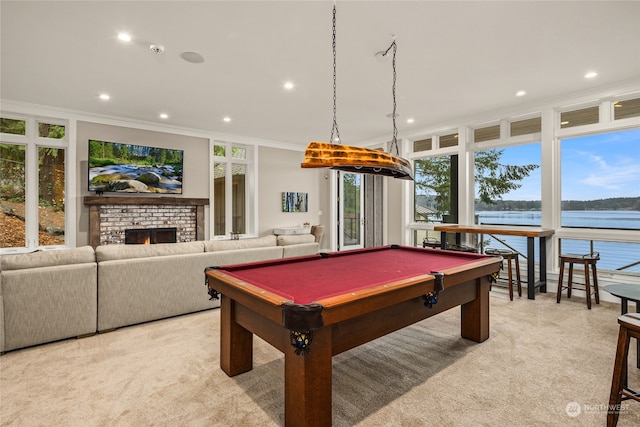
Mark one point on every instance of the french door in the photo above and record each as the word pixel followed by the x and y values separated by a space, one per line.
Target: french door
pixel 350 211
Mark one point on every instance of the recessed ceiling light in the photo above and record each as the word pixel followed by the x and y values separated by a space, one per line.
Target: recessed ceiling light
pixel 164 116
pixel 227 119
pixel 590 75
pixel 521 93
pixel 288 85
pixel 104 97
pixel 124 37
pixel 410 120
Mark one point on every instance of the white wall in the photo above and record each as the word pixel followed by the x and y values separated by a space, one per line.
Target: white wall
pixel 279 171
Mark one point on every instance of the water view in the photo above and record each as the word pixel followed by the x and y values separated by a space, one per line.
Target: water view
pixel 613 255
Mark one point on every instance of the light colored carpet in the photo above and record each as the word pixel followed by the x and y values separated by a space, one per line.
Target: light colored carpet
pixel 541 358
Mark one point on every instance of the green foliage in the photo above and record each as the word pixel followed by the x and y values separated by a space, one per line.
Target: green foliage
pixel 47 130
pixel 617 203
pixel 12 126
pixel 103 153
pixel 219 150
pixel 433 176
pixel 351 197
pixel 12 171
pixel 494 179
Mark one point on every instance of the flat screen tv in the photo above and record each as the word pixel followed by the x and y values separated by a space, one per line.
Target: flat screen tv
pixel 128 168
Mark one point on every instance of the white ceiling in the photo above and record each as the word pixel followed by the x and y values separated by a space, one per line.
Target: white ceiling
pixel 455 59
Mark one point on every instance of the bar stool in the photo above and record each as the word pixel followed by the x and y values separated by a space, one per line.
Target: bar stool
pixel 430 242
pixel 629 327
pixel 462 248
pixel 508 256
pixel 586 260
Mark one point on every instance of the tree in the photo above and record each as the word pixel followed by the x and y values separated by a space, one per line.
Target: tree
pixel 433 176
pixel 492 178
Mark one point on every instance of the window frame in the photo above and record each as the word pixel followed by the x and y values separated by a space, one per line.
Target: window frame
pixel 250 161
pixel 549 137
pixel 32 143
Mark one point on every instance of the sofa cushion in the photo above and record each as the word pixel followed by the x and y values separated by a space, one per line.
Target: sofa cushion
pixel 229 245
pixel 303 249
pixel 244 256
pixel 113 252
pixel 295 239
pixel 48 258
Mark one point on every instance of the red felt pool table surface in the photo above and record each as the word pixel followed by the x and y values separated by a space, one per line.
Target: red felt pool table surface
pixel 304 282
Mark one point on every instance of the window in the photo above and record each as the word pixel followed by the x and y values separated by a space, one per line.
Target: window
pixel 526 126
pixel 584 116
pixel 12 126
pixel 32 183
pixel 435 194
pixel 450 140
pixel 599 180
pixel 487 133
pixel 12 195
pixel 508 186
pixel 231 198
pixel 436 189
pixel 627 108
pixel 422 145
pixel 508 191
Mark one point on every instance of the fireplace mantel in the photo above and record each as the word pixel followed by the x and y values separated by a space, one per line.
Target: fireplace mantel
pixel 98 203
pixel 132 200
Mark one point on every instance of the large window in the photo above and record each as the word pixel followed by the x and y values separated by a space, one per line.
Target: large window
pixel 435 180
pixel 32 183
pixel 231 196
pixel 435 194
pixel 600 181
pixel 508 185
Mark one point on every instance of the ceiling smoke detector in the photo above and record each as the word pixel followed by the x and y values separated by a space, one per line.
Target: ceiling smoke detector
pixel 157 49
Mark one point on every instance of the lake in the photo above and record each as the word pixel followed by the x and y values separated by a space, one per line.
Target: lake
pixel 613 255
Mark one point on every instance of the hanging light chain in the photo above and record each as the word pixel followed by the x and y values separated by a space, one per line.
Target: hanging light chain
pixel 335 121
pixel 394 142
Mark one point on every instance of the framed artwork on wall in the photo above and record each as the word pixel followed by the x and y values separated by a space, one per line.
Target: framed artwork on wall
pixel 295 202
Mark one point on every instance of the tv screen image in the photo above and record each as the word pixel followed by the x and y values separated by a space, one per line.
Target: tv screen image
pixel 127 168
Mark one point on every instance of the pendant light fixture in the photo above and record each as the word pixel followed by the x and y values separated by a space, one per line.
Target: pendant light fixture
pixel 357 159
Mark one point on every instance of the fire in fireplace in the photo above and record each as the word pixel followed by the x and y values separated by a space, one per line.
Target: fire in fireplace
pixel 147 236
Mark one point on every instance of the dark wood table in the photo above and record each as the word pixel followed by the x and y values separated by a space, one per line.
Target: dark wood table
pixel 313 308
pixel 531 233
pixel 627 292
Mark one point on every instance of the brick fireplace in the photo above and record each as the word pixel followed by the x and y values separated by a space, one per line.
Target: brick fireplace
pixel 110 217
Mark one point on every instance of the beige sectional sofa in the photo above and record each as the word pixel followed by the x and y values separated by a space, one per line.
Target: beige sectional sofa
pixel 56 294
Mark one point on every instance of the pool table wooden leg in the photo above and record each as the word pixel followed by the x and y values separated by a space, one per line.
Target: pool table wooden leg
pixel 475 314
pixel 236 343
pixel 307 383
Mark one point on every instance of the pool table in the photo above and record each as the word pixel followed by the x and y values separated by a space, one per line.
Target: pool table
pixel 314 307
